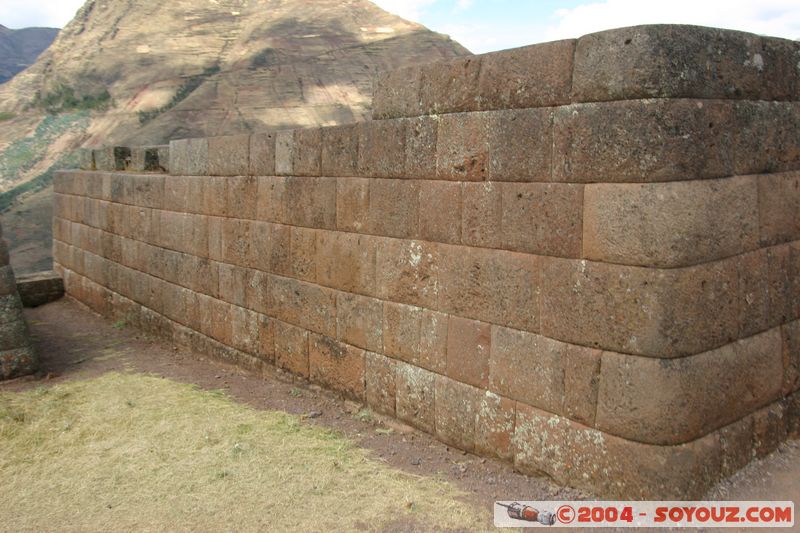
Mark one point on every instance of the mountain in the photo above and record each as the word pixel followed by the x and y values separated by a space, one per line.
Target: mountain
pixel 20 48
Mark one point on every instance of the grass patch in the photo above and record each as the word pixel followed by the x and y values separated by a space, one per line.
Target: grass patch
pixel 5 115
pixel 131 452
pixel 188 87
pixel 63 98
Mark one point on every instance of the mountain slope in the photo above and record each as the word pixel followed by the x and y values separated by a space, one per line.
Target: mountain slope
pixel 20 48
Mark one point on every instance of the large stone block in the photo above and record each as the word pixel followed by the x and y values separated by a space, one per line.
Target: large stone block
pixel 643 140
pixel 241 194
pixel 678 400
pixel 670 224
pixel 415 335
pixel 422 135
pixel 270 199
pixel 490 285
pixel 469 343
pixel 791 357
pixel 396 93
pixel 380 383
pixel 284 153
pixel 520 145
pixel 415 396
pixel 262 154
pixel 450 87
pixel 659 313
pixel 765 137
pixel 337 366
pixel 352 204
pixel 307 153
pixel 494 426
pixel 482 214
pixel 393 208
pixel 310 202
pixel 304 304
pixel 112 158
pixel 671 61
pixel 340 150
pixel 531 76
pixel 457 408
pixel 188 157
pixel 291 348
pixel 779 207
pixel 359 321
pixel 382 148
pixel 440 211
pixel 229 155
pixel 346 261
pixel 408 272
pixel 462 150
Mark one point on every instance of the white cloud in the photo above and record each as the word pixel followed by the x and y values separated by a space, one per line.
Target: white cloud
pixel 50 13
pixel 780 18
pixel 408 9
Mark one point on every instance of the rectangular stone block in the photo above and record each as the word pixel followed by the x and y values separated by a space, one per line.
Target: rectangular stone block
pixel 340 150
pixel 671 224
pixel 303 253
pixel 672 61
pixel 765 137
pixel 229 155
pixel 422 134
pixel 215 196
pixel 658 313
pixel 520 145
pixel 241 194
pixel 415 335
pixel 346 261
pixel 380 383
pixel 450 87
pixel 291 348
pixel 440 211
pixel 778 207
pixel 494 426
pixel 112 158
pixel 352 204
pixel 311 202
pixel 581 382
pixel 415 396
pixel 791 357
pixel 176 193
pixel 359 321
pixel 469 343
pixel 490 285
pixel 651 140
pixel 337 366
pixel 531 76
pixel 462 151
pixel 396 93
pixel 270 200
pixel 381 148
pixel 482 214
pixel 86 159
pixel 309 306
pixel 284 153
pixel 262 154
pixel 393 208
pixel 715 388
pixel 252 333
pixel 306 156
pixel 188 157
pixel 408 272
pixel 457 407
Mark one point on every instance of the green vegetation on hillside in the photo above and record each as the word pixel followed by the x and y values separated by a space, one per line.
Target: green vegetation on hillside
pixel 23 154
pixel 183 91
pixel 5 115
pixel 63 98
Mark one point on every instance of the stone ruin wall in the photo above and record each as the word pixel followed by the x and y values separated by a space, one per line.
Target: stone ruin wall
pixel 581 257
pixel 17 357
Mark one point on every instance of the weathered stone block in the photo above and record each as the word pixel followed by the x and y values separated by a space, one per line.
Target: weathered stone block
pixel 380 383
pixel 291 348
pixel 440 211
pixel 86 159
pixel 422 135
pixel 469 343
pixel 415 335
pixel 407 272
pixel 337 366
pixel 346 261
pixel 779 207
pixel 791 357
pixel 532 76
pixel 270 200
pixel 765 137
pixel 678 400
pixel 112 158
pixel 670 224
pixel 252 333
pixel 672 61
pixel 176 193
pixel 214 190
pixel 457 408
pixel 581 382
pixel 340 150
pixel 188 157
pixel 393 208
pixel 359 321
pixel 37 288
pixel 450 87
pixel 307 153
pixel 482 213
pixel 415 396
pixel 396 93
pixel 304 304
pixel 284 153
pixel 310 202
pixel 229 155
pixel 303 253
pixel 494 426
pixel 262 154
pixel 643 140
pixel 382 148
pixel 462 151
pixel 352 204
pixel 241 194
pixel 520 145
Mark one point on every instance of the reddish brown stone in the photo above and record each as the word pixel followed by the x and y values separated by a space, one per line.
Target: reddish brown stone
pixel 307 153
pixel 303 250
pixel 340 150
pixel 229 155
pixel 304 304
pixel 532 76
pixel 450 87
pixel 380 383
pixel 310 202
pixel 352 204
pixel 520 145
pixel 422 134
pixel 262 154
pixel 381 148
pixel 346 261
pixel 187 157
pixel 415 396
pixel 581 382
pixel 440 211
pixel 462 151
pixel 779 207
pixel 337 366
pixel 270 199
pixel 291 348
pixel 408 272
pixel 457 408
pixel 494 426
pixel 393 208
pixel 791 357
pixel 482 212
pixel 359 321
pixel 241 195
pixel 396 94
pixel 468 346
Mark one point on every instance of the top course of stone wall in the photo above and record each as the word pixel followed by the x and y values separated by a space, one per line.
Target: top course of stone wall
pixel 654 61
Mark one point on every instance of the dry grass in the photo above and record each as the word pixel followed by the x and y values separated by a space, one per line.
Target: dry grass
pixel 131 452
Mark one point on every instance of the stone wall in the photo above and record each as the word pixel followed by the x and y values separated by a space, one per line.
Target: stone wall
pixel 581 257
pixel 17 357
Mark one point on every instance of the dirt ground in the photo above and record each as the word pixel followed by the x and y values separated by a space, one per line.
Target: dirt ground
pixel 74 343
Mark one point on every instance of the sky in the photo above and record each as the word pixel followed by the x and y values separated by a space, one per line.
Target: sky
pixel 486 25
